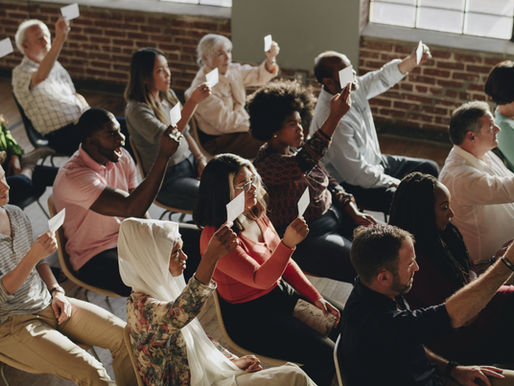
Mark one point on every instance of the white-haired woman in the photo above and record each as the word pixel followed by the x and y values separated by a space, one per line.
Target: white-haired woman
pixel 170 345
pixel 222 119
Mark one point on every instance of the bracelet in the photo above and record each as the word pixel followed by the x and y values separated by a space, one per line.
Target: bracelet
pixel 57 288
pixel 507 263
pixel 449 368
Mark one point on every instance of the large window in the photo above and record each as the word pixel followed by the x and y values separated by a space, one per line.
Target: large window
pixel 219 3
pixel 487 18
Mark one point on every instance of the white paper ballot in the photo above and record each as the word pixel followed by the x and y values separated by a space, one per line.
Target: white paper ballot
pixel 55 222
pixel 70 11
pixel 212 77
pixel 267 42
pixel 346 76
pixel 303 202
pixel 175 115
pixel 235 207
pixel 5 47
pixel 419 52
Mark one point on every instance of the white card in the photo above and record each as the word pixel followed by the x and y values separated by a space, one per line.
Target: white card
pixel 70 11
pixel 55 222
pixel 175 114
pixel 5 47
pixel 419 52
pixel 346 76
pixel 212 77
pixel 303 202
pixel 267 43
pixel 235 207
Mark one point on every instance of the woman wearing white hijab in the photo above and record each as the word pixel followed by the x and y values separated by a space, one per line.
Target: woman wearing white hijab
pixel 168 341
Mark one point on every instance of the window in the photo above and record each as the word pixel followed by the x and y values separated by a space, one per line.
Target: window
pixel 487 18
pixel 219 3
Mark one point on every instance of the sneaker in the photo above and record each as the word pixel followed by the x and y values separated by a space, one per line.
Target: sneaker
pixel 30 159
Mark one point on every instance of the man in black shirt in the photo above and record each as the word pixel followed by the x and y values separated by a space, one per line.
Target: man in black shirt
pixel 382 340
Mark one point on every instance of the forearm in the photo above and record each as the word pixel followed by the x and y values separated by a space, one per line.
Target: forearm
pixel 407 64
pixel 193 147
pixel 439 362
pixel 14 279
pixel 48 62
pixel 205 269
pixel 187 112
pixel 47 275
pixel 471 299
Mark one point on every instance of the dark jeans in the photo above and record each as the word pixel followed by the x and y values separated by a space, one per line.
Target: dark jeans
pixel 180 186
pixel 379 199
pixel 266 326
pixel 326 249
pixel 24 190
pixel 66 140
pixel 103 271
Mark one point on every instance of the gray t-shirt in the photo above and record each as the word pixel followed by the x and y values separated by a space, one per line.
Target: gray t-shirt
pixel 145 130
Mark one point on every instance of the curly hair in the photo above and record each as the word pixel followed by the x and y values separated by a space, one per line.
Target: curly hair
pixel 271 105
pixel 500 83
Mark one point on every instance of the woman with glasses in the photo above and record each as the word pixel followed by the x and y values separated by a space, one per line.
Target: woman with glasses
pixel 277 113
pixel 258 283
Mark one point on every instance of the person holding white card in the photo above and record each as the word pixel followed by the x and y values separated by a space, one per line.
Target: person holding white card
pixel 289 166
pixel 354 157
pixel 222 119
pixel 261 288
pixel 149 102
pixel 37 320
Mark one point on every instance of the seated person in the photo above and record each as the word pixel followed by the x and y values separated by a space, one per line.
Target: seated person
pixel 481 187
pixel 149 101
pixel 354 158
pixel 222 119
pixel 37 320
pixel 98 187
pixel 24 176
pixel 422 206
pixel 277 112
pixel 500 87
pixel 169 343
pixel 43 87
pixel 258 283
pixel 383 341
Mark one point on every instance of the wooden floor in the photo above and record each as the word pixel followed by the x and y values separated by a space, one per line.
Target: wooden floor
pixel 114 103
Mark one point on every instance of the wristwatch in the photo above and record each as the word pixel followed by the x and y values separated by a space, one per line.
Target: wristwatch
pixel 56 288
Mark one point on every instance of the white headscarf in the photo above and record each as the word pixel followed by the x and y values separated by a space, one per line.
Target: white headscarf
pixel 144 251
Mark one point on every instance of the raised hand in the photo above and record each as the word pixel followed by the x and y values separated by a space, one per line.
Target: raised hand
pixel 295 233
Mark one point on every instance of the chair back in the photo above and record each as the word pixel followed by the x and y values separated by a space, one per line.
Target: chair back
pixel 336 362
pixel 234 345
pixel 128 346
pixel 35 137
pixel 64 258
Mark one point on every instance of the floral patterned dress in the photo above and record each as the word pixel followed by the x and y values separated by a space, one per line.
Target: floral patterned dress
pixel 156 337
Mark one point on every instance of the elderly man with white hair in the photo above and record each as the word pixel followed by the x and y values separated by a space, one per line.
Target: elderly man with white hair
pixel 222 119
pixel 44 88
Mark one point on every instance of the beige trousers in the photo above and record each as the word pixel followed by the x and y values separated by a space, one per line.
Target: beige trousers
pixel 38 342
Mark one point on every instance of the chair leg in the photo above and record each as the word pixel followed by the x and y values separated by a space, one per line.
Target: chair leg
pixel 43 208
pixel 2 372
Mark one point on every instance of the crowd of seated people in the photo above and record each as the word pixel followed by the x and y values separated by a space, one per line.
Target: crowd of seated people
pixel 446 252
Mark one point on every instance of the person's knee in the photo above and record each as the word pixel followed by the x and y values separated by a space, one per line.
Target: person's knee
pixel 429 167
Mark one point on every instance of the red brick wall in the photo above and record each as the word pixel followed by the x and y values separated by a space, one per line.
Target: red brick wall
pixel 427 96
pixel 102 41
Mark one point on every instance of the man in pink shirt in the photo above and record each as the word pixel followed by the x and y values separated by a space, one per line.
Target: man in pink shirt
pixel 98 187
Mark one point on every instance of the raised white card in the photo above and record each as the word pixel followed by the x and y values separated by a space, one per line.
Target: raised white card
pixel 346 76
pixel 175 115
pixel 5 47
pixel 235 207
pixel 267 43
pixel 419 52
pixel 70 11
pixel 55 222
pixel 212 77
pixel 303 202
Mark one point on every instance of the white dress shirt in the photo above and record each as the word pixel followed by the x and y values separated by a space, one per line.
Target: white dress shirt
pixel 354 155
pixel 482 193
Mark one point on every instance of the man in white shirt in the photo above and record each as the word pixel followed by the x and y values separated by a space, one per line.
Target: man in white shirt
pixel 354 157
pixel 482 188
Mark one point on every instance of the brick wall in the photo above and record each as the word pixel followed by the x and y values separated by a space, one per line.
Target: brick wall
pixel 102 41
pixel 425 99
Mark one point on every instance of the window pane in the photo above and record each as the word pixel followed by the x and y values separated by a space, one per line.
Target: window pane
pixel 220 3
pixel 489 26
pixel 182 1
pixel 497 7
pixel 395 14
pixel 440 20
pixel 407 2
pixel 454 4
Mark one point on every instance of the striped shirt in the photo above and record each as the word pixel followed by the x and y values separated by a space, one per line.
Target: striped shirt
pixel 32 296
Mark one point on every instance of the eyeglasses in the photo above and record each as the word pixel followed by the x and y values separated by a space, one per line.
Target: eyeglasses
pixel 248 185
